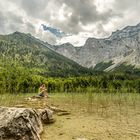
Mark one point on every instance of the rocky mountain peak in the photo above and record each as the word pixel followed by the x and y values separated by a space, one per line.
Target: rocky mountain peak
pixel 122 46
pixel 126 32
pixel 92 42
pixel 67 45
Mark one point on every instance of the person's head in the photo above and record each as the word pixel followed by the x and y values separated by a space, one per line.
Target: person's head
pixel 43 85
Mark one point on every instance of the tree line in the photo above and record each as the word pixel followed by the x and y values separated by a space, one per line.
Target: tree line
pixel 17 79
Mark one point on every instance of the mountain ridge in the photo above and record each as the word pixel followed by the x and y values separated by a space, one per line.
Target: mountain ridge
pixel 35 54
pixel 121 46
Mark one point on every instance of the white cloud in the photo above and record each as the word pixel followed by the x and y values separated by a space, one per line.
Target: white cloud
pixel 77 40
pixel 80 18
pixel 103 5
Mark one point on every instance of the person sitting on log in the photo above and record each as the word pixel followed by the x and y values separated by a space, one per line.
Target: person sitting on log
pixel 43 91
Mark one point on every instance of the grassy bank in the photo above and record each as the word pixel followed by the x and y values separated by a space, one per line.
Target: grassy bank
pixel 90 101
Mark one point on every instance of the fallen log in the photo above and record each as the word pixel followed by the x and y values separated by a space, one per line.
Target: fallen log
pixel 22 123
pixel 46 116
pixel 25 123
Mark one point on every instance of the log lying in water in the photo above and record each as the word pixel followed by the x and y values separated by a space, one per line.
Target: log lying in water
pixel 25 123
pixel 22 123
pixel 58 111
pixel 46 116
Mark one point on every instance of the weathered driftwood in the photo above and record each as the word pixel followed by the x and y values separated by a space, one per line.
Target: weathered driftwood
pixel 22 123
pixel 63 113
pixel 58 111
pixel 55 109
pixel 46 116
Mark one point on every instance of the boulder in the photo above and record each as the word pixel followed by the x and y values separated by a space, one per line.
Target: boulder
pixel 19 124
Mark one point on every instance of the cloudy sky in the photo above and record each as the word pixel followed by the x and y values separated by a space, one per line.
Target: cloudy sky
pixel 60 21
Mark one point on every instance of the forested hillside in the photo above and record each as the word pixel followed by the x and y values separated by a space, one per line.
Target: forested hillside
pixel 26 61
pixel 34 54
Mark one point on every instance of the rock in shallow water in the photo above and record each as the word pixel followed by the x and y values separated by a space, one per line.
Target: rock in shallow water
pixel 19 124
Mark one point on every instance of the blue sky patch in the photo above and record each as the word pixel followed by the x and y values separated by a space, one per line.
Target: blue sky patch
pixel 54 31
